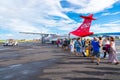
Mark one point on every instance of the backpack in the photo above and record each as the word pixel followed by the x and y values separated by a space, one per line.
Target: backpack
pixel 77 44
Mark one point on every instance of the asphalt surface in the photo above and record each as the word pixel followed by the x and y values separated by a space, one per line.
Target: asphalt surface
pixel 34 61
pixel 26 61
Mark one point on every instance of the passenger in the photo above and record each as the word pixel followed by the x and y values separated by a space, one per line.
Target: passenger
pixel 83 47
pixel 90 48
pixel 87 47
pixel 100 41
pixel 113 55
pixel 72 45
pixel 106 46
pixel 96 50
pixel 61 43
pixel 58 43
pixel 77 46
pixel 68 44
pixel 65 44
pixel 101 44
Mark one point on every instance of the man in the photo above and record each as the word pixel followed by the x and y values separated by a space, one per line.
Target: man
pixel 96 50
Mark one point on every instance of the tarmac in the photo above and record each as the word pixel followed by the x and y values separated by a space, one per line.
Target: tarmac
pixel 80 68
pixel 34 61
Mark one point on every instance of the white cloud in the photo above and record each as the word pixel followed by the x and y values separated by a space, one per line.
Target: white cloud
pixel 31 11
pixel 108 27
pixel 30 16
pixel 35 15
pixel 106 14
pixel 18 25
pixel 6 36
pixel 19 36
pixel 117 21
pixel 91 6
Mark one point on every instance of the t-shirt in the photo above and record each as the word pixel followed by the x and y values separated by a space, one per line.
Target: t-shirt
pixel 95 46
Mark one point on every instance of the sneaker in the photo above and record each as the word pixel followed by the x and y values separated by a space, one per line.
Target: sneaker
pixel 116 63
pixel 97 63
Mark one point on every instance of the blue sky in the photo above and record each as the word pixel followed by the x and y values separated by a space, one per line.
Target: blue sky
pixel 55 16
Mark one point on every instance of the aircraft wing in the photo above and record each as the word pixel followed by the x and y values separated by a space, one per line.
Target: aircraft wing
pixel 106 34
pixel 47 35
pixel 37 33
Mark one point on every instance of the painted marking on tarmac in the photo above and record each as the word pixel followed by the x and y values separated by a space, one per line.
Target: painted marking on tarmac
pixel 17 65
pixel 8 76
pixel 25 72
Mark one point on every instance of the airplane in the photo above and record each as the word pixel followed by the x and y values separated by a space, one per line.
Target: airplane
pixel 46 36
pixel 84 29
pixel 107 34
pixel 43 34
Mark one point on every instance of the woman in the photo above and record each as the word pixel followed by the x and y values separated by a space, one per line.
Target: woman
pixel 87 47
pixel 106 46
pixel 77 46
pixel 100 41
pixel 72 46
pixel 113 54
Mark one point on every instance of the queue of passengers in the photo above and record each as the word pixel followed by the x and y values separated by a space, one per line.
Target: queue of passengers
pixel 92 48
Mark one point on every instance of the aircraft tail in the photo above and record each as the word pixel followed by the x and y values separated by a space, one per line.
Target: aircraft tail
pixel 83 29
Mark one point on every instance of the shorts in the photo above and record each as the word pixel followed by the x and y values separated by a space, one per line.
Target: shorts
pixel 97 54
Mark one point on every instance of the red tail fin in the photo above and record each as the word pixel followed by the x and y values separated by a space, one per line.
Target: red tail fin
pixel 84 28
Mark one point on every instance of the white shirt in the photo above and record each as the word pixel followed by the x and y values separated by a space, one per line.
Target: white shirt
pixel 107 42
pixel 113 46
